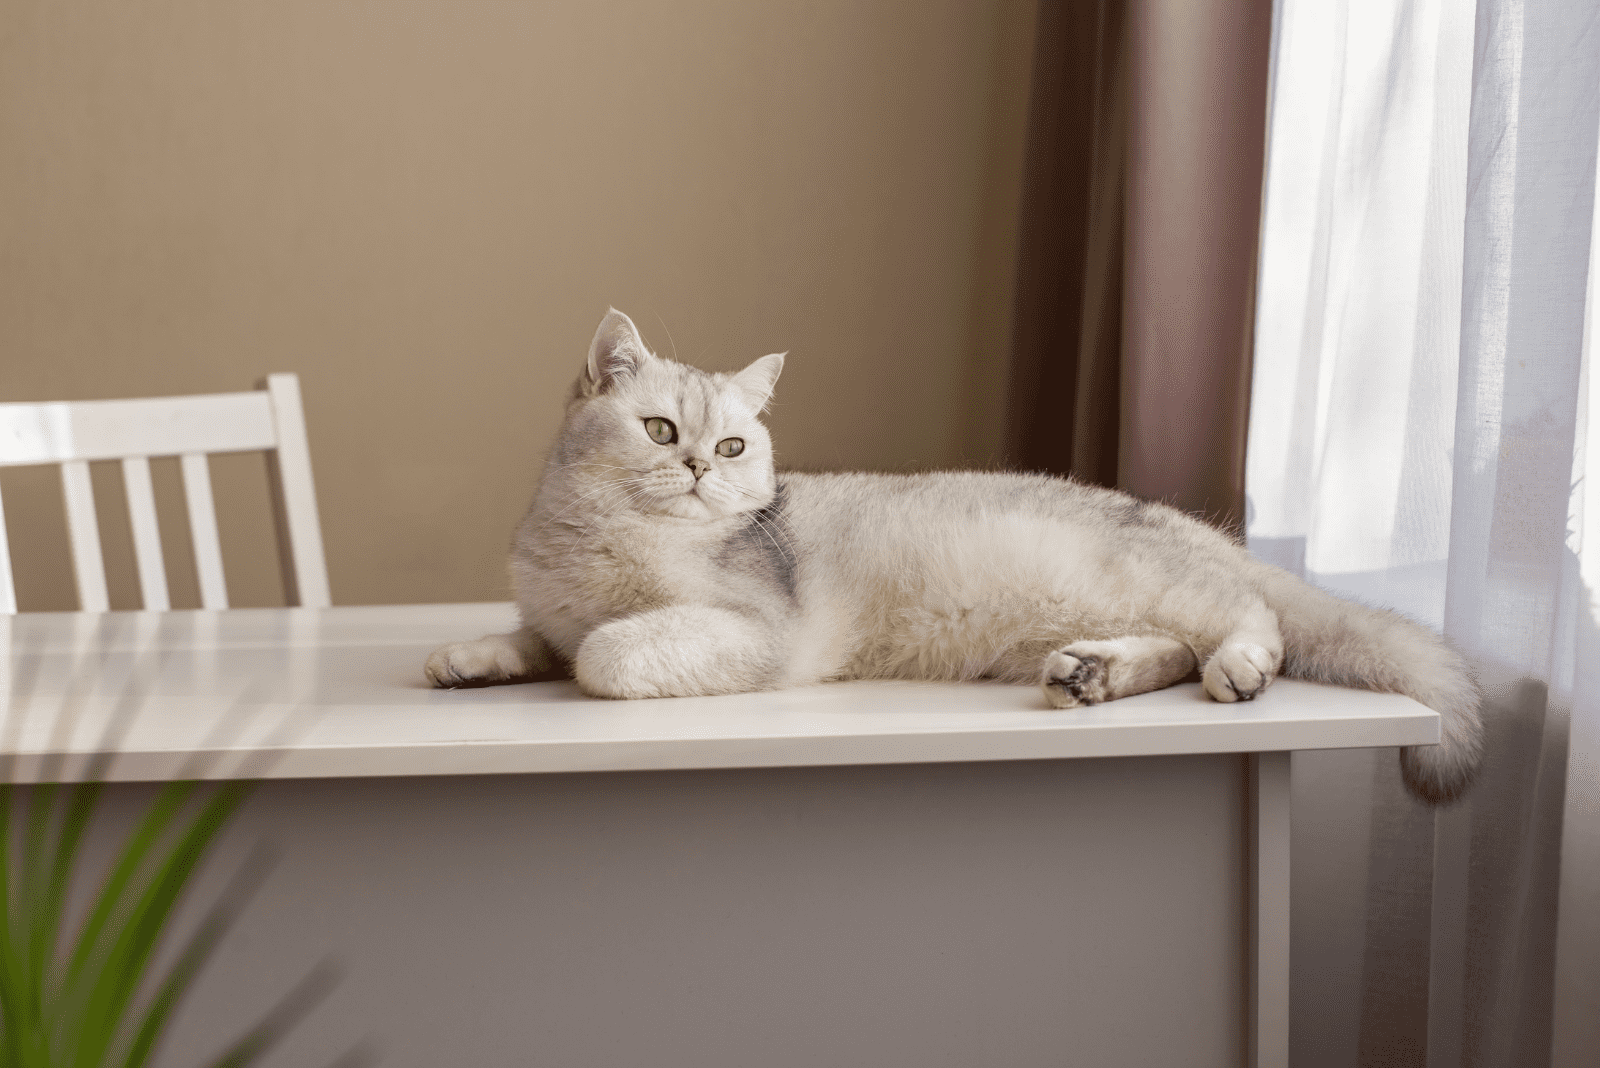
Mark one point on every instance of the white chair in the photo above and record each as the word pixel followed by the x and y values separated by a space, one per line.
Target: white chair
pixel 72 433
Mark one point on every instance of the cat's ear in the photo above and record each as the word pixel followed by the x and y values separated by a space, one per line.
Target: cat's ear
pixel 756 381
pixel 616 352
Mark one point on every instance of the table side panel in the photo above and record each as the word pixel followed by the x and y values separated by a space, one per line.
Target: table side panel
pixel 934 916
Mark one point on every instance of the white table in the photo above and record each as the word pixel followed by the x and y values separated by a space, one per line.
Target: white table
pixel 337 695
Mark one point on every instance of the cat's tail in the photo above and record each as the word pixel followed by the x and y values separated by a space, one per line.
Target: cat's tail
pixel 1328 639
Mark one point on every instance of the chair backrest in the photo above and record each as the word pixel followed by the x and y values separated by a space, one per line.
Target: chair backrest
pixel 72 433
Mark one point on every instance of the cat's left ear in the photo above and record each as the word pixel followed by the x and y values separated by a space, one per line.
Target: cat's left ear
pixel 616 352
pixel 756 381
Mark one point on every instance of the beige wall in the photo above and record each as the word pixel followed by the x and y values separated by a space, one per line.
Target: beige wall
pixel 425 207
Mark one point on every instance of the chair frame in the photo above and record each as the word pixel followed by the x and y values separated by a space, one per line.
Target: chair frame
pixel 74 433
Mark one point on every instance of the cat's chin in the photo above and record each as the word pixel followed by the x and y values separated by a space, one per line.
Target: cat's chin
pixel 687 506
pixel 697 502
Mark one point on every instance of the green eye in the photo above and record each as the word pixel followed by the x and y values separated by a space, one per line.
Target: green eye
pixel 661 431
pixel 730 446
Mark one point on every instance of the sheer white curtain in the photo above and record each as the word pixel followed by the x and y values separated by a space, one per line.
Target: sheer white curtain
pixel 1419 438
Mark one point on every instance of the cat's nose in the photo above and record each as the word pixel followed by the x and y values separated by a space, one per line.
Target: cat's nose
pixel 697 465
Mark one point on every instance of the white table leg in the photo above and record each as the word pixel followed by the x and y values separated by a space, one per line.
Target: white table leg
pixel 1267 822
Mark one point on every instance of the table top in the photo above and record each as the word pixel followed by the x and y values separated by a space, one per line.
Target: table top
pixel 299 693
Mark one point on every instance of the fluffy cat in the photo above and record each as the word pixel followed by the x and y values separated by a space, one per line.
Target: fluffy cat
pixel 663 556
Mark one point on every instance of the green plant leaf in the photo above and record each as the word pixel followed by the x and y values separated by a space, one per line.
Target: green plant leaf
pixel 195 952
pixel 110 900
pixel 172 988
pixel 38 858
pixel 82 801
pixel 72 1010
pixel 116 980
pixel 16 1038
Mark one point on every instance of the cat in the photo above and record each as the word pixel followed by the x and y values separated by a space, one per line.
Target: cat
pixel 663 555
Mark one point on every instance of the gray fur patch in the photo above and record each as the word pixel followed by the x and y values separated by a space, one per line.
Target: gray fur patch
pixel 764 545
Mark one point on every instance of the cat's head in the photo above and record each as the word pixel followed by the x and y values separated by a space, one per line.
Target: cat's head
pixel 664 438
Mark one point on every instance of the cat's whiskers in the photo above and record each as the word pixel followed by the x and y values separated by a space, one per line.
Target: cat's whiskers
pixel 631 494
pixel 621 482
pixel 585 463
pixel 573 504
pixel 764 524
pixel 577 543
pixel 607 513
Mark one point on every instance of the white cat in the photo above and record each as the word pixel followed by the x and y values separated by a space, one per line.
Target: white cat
pixel 664 556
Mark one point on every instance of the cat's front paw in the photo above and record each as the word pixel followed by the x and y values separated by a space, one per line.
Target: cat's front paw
pixel 676 651
pixel 619 662
pixel 491 659
pixel 1073 679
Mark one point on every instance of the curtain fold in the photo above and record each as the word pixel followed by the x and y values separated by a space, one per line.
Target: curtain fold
pixel 1197 76
pixel 1139 235
pixel 1065 378
pixel 1418 433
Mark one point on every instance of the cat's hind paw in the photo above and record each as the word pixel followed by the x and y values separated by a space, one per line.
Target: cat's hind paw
pixel 1238 671
pixel 1072 681
pixel 494 658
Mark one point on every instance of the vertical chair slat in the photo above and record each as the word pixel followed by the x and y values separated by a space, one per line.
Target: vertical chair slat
pixel 146 534
pixel 84 529
pixel 203 530
pixel 298 493
pixel 8 589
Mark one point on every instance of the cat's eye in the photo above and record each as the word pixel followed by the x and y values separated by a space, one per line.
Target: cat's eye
pixel 730 446
pixel 661 431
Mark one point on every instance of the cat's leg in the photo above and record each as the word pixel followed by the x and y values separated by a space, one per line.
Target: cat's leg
pixel 679 651
pixel 1248 659
pixel 1089 672
pixel 492 658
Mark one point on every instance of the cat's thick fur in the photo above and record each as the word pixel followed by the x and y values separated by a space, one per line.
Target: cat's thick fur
pixel 667 568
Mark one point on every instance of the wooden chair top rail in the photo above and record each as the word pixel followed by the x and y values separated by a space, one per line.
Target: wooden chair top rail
pixel 60 431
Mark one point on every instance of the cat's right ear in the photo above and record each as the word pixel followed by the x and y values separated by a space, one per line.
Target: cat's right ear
pixel 616 352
